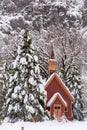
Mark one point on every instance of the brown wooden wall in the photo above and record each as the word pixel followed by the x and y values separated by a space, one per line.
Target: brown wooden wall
pixel 55 87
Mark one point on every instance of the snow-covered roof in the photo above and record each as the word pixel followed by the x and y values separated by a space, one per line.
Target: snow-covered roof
pixel 52 59
pixel 53 98
pixel 63 86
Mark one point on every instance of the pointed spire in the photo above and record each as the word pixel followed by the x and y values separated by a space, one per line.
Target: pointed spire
pixel 51 51
pixel 52 61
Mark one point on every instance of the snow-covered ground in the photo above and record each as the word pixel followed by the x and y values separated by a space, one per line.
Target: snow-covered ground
pixel 46 125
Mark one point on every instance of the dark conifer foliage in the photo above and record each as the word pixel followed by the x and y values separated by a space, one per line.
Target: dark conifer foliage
pixel 72 80
pixel 25 98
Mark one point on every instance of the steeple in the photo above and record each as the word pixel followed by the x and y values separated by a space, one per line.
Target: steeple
pixel 51 51
pixel 51 61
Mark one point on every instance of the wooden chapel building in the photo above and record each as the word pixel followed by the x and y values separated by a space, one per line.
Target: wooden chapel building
pixel 59 99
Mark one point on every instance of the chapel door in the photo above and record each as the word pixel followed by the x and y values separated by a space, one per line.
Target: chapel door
pixel 57 110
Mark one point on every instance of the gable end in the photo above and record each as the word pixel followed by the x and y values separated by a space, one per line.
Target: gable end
pixel 66 90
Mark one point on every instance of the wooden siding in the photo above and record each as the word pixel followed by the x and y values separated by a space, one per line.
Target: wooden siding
pixel 53 87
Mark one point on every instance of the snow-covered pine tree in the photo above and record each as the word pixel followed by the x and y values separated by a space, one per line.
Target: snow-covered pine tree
pixel 72 79
pixel 75 86
pixel 4 78
pixel 25 99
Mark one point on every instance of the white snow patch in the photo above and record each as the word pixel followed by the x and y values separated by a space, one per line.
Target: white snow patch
pixel 32 72
pixel 36 58
pixel 10 108
pixel 23 61
pixel 14 95
pixel 16 61
pixel 23 92
pixel 31 80
pixel 59 3
pixel 15 75
pixel 17 88
pixel 46 125
pixel 25 99
pixel 31 96
pixel 29 57
pixel 19 50
pixel 75 7
pixel 37 70
pixel 31 109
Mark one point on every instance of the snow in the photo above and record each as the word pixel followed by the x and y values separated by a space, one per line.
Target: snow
pixel 53 97
pixel 51 125
pixel 59 3
pixel 49 79
pixel 15 62
pixel 31 80
pixel 31 96
pixel 37 69
pixel 23 61
pixel 14 95
pixel 19 50
pixel 16 89
pixel 23 92
pixel 15 75
pixel 10 108
pixel 25 99
pixel 31 109
pixel 36 58
pixel 29 57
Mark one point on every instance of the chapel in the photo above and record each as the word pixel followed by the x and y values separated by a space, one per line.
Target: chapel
pixel 59 99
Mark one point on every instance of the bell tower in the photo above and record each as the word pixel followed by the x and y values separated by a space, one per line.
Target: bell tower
pixel 51 62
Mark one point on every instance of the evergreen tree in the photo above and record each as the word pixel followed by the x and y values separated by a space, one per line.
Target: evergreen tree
pixel 25 99
pixel 75 86
pixel 72 80
pixel 4 78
